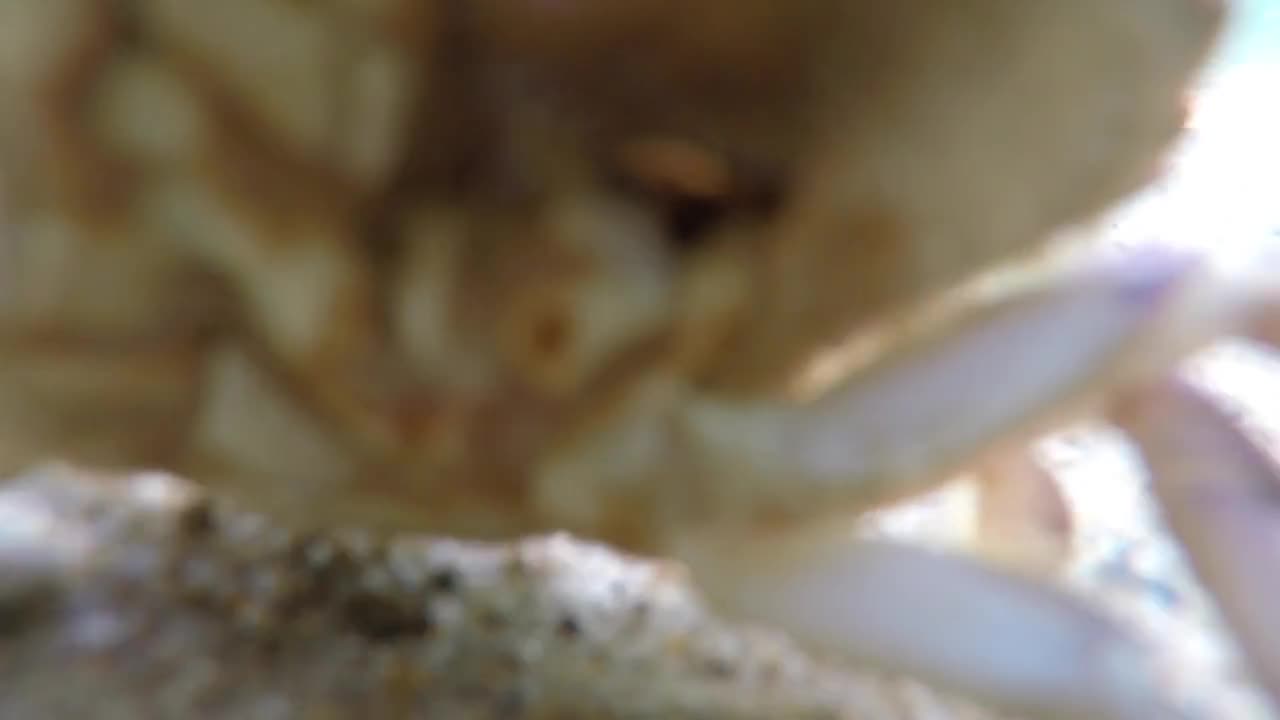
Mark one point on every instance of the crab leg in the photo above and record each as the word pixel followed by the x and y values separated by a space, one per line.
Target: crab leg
pixel 1023 520
pixel 1221 497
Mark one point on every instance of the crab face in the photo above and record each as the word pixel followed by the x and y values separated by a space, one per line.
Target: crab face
pixel 506 268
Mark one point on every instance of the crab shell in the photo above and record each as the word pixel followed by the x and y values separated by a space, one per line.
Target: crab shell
pixel 501 267
pixel 400 264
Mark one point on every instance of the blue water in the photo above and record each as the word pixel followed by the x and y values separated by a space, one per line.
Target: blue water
pixel 1253 35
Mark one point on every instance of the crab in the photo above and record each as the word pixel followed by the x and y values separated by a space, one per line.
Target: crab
pixel 703 282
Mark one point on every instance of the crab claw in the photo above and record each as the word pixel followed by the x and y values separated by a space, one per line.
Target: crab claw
pixel 1220 495
pixel 1012 370
pixel 1018 645
pixel 958 396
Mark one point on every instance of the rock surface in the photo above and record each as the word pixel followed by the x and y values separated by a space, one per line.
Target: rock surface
pixel 141 597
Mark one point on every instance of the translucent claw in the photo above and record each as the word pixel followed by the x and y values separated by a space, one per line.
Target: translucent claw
pixel 1221 497
pixel 994 380
pixel 1013 643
